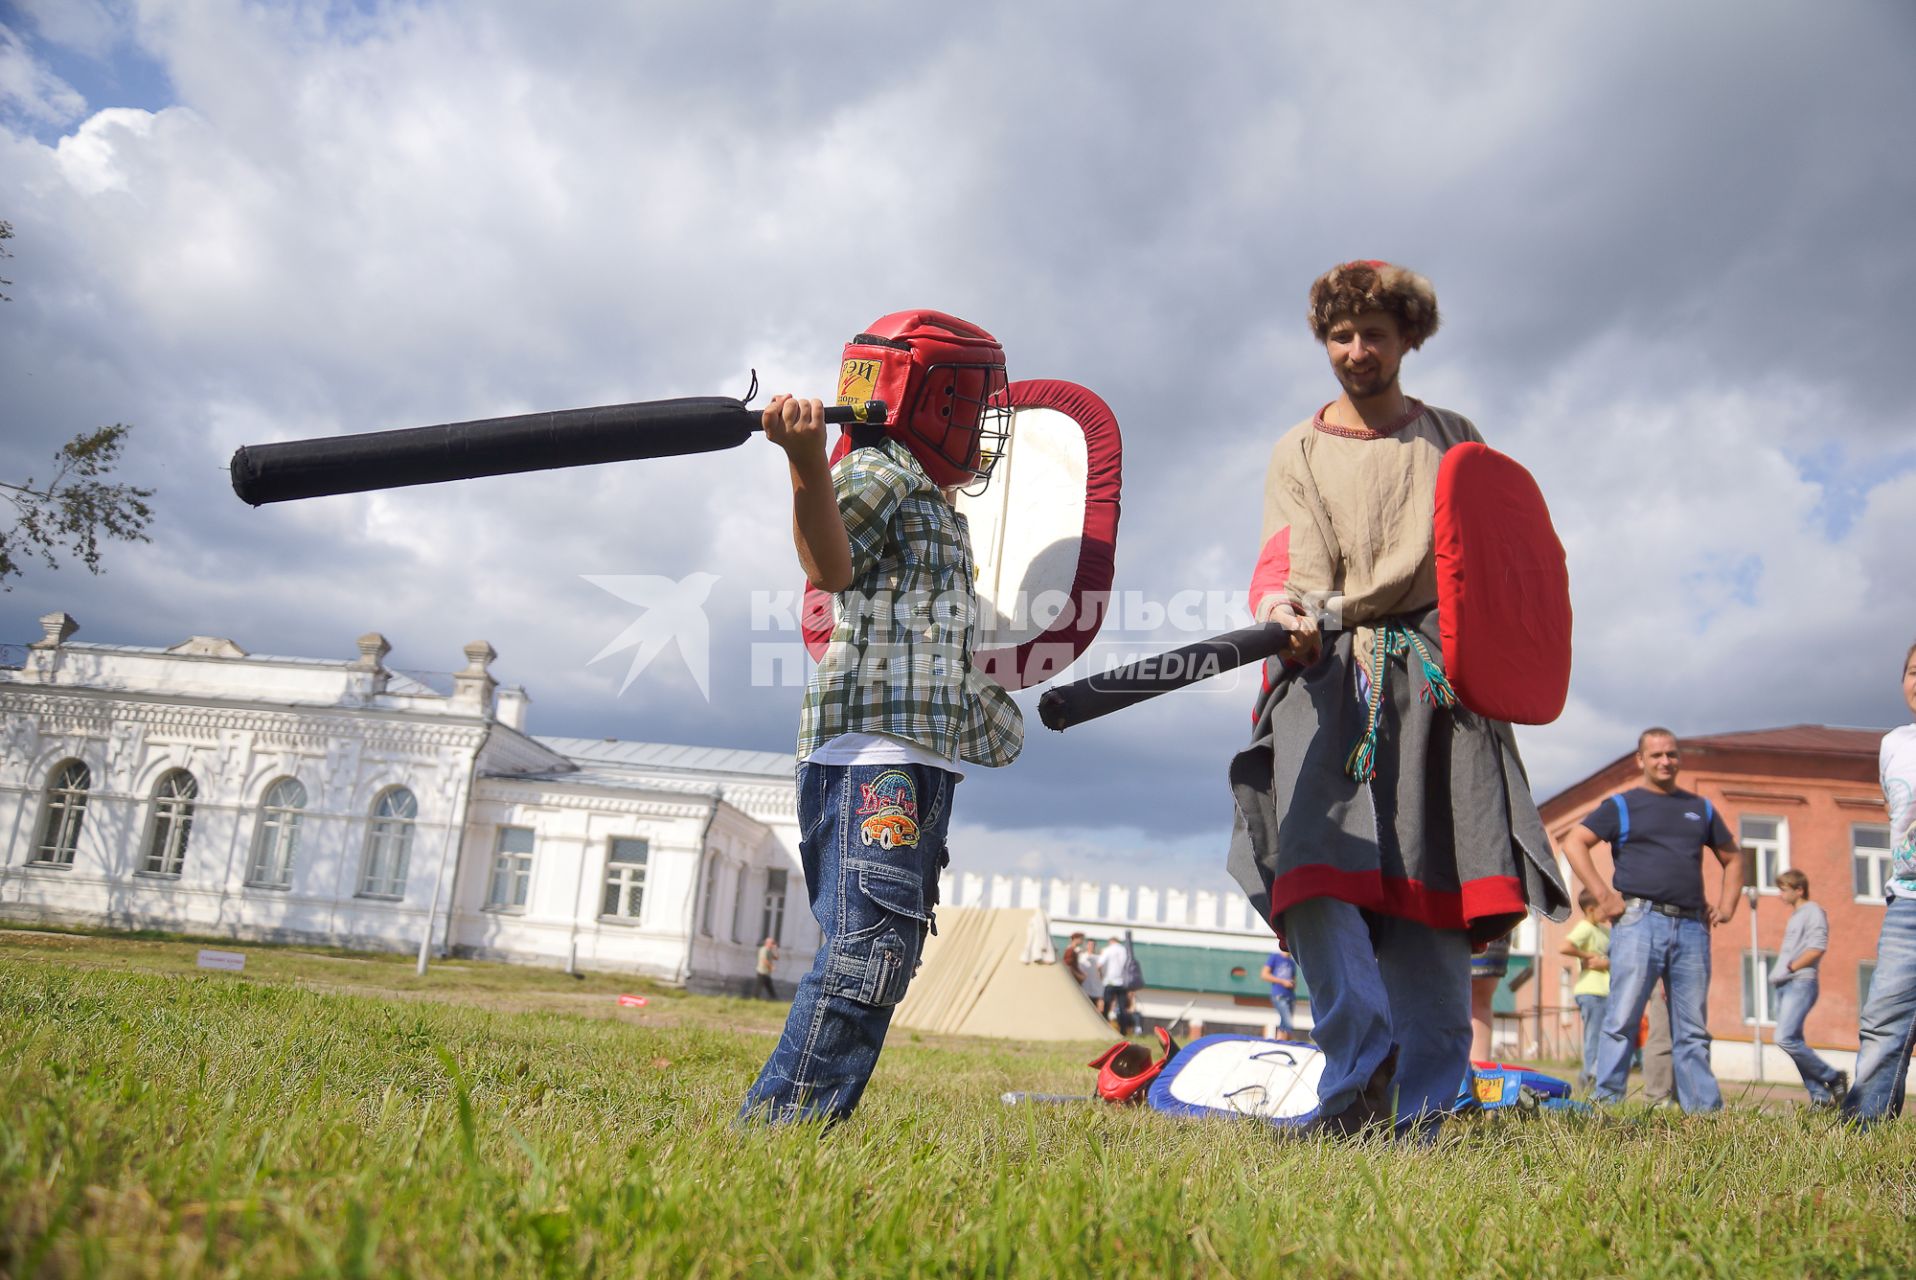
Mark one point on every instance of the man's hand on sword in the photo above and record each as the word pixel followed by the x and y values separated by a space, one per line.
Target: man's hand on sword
pixel 1304 643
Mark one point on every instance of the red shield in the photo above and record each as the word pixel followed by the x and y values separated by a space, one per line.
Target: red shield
pixel 1503 589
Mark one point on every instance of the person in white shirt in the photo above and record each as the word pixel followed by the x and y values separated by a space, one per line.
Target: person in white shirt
pixel 1112 962
pixel 1081 961
pixel 1889 1015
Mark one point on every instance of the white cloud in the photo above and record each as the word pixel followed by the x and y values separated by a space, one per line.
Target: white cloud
pixel 93 158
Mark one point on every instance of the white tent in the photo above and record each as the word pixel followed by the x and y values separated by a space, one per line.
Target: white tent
pixel 975 981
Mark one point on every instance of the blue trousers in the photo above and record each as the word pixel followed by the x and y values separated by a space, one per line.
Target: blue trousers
pixel 1794 999
pixel 1378 981
pixel 1591 1007
pixel 872 842
pixel 1645 946
pixel 1889 1020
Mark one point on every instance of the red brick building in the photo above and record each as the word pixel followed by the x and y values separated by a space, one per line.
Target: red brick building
pixel 1806 797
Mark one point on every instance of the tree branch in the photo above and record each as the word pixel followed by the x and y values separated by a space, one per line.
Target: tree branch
pixel 77 509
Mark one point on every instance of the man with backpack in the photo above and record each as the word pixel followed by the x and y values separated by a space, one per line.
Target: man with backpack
pixel 1122 976
pixel 1657 834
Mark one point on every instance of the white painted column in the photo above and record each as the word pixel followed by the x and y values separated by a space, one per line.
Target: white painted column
pixel 1206 915
pixel 1237 914
pixel 1177 907
pixel 1030 894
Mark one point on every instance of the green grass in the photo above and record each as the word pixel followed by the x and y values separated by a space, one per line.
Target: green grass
pixel 294 1122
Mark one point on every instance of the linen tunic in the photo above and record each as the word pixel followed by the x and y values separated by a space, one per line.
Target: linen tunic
pixel 1445 832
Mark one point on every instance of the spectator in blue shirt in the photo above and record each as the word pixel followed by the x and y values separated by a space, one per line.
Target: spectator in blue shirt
pixel 1281 972
pixel 1657 834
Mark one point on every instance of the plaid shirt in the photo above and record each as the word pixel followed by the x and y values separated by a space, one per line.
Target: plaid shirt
pixel 899 661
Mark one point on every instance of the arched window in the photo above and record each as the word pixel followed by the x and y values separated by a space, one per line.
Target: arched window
pixel 738 903
pixel 388 844
pixel 773 925
pixel 67 788
pixel 172 824
pixel 276 838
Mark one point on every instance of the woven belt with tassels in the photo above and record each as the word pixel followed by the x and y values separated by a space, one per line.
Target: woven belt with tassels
pixel 1393 638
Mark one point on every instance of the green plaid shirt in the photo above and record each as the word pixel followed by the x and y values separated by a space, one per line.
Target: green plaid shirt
pixel 899 661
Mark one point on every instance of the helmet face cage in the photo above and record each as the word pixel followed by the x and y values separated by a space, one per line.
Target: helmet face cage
pixel 961 416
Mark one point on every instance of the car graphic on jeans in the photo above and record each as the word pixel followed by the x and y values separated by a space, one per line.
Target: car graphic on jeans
pixel 888 829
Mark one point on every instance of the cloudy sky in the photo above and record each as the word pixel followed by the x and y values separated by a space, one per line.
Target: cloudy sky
pixel 1671 244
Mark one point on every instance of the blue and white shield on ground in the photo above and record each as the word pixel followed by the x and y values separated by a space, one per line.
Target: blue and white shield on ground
pixel 1270 1080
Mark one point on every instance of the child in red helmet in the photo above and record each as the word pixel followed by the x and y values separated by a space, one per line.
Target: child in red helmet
pixel 894 711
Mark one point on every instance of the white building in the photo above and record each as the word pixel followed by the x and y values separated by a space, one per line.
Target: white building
pixel 206 790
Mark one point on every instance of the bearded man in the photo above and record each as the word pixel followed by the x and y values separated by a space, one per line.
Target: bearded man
pixel 1382 828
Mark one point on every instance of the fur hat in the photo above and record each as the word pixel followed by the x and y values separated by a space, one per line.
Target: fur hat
pixel 1371 285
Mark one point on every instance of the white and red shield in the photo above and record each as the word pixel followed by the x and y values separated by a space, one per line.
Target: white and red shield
pixel 1043 536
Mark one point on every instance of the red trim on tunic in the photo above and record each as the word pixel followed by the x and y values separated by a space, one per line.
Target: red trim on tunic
pixel 1399 896
pixel 1493 896
pixel 1411 414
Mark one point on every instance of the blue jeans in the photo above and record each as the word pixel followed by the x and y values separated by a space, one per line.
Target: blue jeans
pixel 1645 946
pixel 872 841
pixel 1591 1007
pixel 1889 1020
pixel 1378 981
pixel 1793 1001
pixel 1285 1003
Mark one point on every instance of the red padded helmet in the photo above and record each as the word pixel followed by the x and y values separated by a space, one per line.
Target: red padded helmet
pixel 944 379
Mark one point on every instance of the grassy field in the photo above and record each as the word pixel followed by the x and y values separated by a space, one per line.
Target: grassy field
pixel 327 1114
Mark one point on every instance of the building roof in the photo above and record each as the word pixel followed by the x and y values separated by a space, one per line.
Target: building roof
pixel 669 757
pixel 613 779
pixel 399 682
pixel 1819 749
pixel 1819 739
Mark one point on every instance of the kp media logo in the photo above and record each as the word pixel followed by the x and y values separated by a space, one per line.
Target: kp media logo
pixel 672 615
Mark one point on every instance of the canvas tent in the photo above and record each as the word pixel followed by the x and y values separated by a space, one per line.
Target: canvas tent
pixel 975 982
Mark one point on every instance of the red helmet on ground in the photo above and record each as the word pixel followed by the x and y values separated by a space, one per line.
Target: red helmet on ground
pixel 944 380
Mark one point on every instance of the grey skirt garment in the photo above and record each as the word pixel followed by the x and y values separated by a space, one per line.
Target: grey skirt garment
pixel 1444 831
